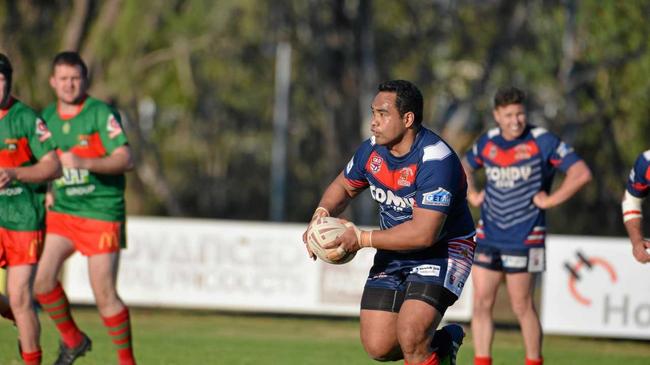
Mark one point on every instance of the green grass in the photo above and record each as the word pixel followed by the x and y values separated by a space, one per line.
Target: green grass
pixel 196 337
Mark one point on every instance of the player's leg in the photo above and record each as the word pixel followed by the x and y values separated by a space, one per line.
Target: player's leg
pixel 520 289
pixel 19 290
pixel 103 280
pixel 49 291
pixel 378 322
pixel 486 278
pixel 416 323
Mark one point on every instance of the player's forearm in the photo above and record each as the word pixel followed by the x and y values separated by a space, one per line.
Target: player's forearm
pixel 576 177
pixel 337 196
pixel 469 173
pixel 634 229
pixel 409 235
pixel 117 163
pixel 47 168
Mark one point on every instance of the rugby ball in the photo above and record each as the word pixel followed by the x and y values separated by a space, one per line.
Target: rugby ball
pixel 325 230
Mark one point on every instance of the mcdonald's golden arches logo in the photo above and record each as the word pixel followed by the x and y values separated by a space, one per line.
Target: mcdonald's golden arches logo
pixel 108 240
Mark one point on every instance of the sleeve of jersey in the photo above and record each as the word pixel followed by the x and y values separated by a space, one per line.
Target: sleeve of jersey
pixel 558 153
pixel 638 183
pixel 473 156
pixel 40 137
pixel 437 181
pixel 355 169
pixel 110 130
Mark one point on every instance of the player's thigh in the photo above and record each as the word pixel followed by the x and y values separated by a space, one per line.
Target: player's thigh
pixel 416 322
pixel 19 280
pixel 520 286
pixel 102 269
pixel 486 283
pixel 55 251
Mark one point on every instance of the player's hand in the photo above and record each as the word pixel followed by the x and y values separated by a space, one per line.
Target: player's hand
pixel 71 161
pixel 49 200
pixel 542 200
pixel 476 199
pixel 319 212
pixel 6 177
pixel 346 243
pixel 640 250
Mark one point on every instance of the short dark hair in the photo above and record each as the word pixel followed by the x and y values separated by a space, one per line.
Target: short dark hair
pixel 70 58
pixel 509 95
pixel 7 71
pixel 408 97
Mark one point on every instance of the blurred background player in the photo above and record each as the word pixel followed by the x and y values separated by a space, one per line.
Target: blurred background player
pixel 27 159
pixel 520 161
pixel 638 186
pixel 425 245
pixel 88 212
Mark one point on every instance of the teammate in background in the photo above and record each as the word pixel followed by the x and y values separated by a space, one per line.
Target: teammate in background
pixel 425 245
pixel 88 213
pixel 638 187
pixel 520 161
pixel 27 159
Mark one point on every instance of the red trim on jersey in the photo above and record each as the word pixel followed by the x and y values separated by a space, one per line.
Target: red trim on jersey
pixel 640 187
pixel 534 242
pixel 647 173
pixel 78 109
pixel 94 147
pixel 357 184
pixel 631 212
pixel 392 179
pixel 509 156
pixel 18 156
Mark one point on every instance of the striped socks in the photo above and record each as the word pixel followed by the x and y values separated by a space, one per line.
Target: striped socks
pixel 56 304
pixel 119 328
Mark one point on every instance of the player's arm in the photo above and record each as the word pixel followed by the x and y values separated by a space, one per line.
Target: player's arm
pixel 576 177
pixel 632 218
pixel 118 162
pixel 47 168
pixel 474 196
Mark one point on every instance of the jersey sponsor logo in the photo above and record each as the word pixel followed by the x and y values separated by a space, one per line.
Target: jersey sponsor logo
pixel 405 177
pixel 506 177
pixel 426 270
pixel 41 131
pixel 389 198
pixel 514 262
pixel 113 127
pixel 108 241
pixel 11 191
pixel 79 190
pixel 438 197
pixel 375 163
pixel 73 177
pixel 536 259
pixel 523 152
pixel 563 149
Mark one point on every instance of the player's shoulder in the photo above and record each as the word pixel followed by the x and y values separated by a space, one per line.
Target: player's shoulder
pixel 23 109
pixel 433 147
pixel 542 134
pixel 645 155
pixel 98 106
pixel 49 111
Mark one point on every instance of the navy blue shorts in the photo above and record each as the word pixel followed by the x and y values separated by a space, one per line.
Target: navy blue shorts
pixel 446 266
pixel 511 260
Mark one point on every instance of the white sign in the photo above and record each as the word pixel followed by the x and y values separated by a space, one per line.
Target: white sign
pixel 594 287
pixel 232 265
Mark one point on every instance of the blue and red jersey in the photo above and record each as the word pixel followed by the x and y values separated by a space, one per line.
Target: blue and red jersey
pixel 515 171
pixel 429 176
pixel 638 183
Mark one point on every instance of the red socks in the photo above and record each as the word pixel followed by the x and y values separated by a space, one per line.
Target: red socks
pixel 482 360
pixel 539 361
pixel 32 358
pixel 56 304
pixel 432 360
pixel 119 328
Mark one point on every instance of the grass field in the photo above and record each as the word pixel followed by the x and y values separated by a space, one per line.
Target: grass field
pixel 191 337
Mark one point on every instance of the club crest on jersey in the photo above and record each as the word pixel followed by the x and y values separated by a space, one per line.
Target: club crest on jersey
pixel 405 177
pixel 493 152
pixel 439 197
pixel 12 144
pixel 375 164
pixel 113 127
pixel 41 130
pixel 522 152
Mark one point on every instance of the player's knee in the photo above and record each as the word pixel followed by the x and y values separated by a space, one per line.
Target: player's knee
pixel 522 306
pixel 482 305
pixel 20 301
pixel 380 351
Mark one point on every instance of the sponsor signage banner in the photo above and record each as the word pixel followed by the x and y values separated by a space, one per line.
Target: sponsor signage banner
pixel 232 265
pixel 594 287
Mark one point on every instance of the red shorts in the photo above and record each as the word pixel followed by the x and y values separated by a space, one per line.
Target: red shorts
pixel 89 236
pixel 20 247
